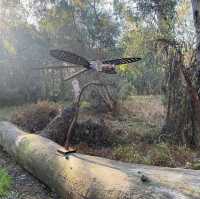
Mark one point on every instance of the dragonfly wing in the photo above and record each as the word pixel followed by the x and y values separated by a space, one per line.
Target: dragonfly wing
pixel 69 57
pixel 55 67
pixel 122 61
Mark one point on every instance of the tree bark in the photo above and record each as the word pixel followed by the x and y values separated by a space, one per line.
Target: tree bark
pixel 195 98
pixel 62 85
pixel 196 17
pixel 86 177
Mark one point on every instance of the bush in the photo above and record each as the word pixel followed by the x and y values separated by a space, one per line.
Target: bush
pixel 5 182
pixel 169 155
pixel 161 155
pixel 35 117
pixel 129 153
pixel 156 154
pixel 195 165
pixel 94 133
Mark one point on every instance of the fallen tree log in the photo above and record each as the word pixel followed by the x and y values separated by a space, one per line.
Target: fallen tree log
pixel 86 177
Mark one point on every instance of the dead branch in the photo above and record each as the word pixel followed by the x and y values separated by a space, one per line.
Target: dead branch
pixel 76 108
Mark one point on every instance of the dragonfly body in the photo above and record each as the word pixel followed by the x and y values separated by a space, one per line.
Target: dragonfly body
pixel 100 67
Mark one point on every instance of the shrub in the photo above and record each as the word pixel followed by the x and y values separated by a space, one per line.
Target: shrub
pixel 125 91
pixel 160 155
pixel 129 153
pixel 182 155
pixel 35 117
pixel 5 182
pixel 94 133
pixel 154 154
pixel 196 165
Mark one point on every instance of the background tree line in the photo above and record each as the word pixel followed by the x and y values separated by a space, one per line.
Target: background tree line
pixel 164 33
pixel 94 29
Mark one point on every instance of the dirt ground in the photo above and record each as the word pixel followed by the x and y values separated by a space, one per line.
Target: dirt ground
pixel 24 185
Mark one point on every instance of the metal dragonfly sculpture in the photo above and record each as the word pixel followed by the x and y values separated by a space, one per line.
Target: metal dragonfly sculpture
pixel 105 66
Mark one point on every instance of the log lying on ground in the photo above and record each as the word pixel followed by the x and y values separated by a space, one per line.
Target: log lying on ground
pixel 82 176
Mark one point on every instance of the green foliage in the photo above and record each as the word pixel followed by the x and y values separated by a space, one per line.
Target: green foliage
pixel 164 100
pixel 126 90
pixel 99 27
pixel 5 182
pixel 83 26
pixel 167 8
pixel 84 104
pixel 139 39
pixel 146 75
pixel 161 155
pixel 55 19
pixel 9 47
pixel 196 165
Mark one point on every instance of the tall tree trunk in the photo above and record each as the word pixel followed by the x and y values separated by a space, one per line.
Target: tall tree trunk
pixel 196 103
pixel 196 16
pixel 183 115
pixel 173 84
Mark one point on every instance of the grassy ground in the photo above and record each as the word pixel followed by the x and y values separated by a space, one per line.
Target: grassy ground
pixel 5 182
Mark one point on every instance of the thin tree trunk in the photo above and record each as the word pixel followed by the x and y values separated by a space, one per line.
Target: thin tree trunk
pixel 62 85
pixel 194 93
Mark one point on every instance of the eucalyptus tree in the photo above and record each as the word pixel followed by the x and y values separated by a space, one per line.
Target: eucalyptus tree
pixel 145 21
pixel 161 18
pixel 84 27
pixel 182 119
pixel 81 25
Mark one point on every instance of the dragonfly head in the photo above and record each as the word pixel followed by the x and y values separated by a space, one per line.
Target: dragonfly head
pixel 108 68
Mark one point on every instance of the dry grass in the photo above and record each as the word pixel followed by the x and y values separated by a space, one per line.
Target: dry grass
pixel 155 154
pixel 35 117
pixel 148 109
pixel 140 120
